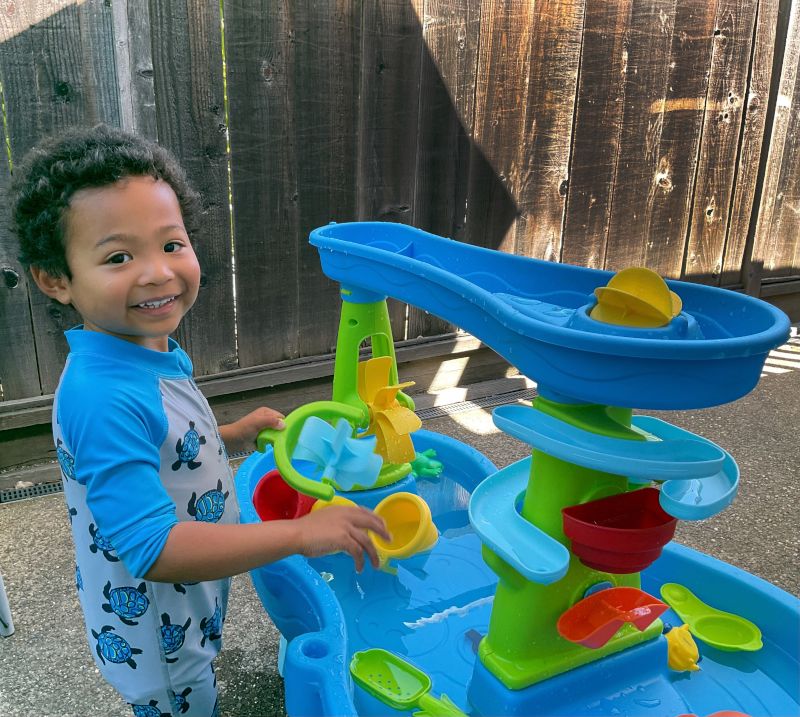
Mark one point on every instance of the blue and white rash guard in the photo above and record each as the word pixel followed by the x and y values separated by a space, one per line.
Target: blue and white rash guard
pixel 139 451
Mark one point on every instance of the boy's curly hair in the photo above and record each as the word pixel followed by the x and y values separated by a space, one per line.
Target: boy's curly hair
pixel 58 167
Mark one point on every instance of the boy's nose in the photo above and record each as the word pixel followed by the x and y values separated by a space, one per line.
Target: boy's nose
pixel 158 272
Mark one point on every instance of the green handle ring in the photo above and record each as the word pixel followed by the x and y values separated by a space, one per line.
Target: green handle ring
pixel 284 442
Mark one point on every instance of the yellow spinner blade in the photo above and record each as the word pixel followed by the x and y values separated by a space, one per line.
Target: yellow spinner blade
pixel 385 397
pixel 677 304
pixel 373 375
pixel 636 297
pixel 392 446
pixel 401 419
pixel 623 309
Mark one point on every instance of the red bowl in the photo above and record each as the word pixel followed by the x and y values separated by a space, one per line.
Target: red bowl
pixel 620 534
pixel 275 499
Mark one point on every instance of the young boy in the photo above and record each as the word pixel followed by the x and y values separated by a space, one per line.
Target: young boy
pixel 104 221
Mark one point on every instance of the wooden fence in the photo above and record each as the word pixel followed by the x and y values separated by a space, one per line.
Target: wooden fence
pixel 661 133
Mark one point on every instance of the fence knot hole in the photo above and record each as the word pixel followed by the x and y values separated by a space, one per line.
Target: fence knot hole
pixel 10 277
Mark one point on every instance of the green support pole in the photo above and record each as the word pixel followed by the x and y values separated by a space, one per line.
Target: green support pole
pixel 365 316
pixel 361 321
pixel 523 646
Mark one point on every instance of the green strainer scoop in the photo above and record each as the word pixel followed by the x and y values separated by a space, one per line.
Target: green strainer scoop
pixel 717 628
pixel 397 683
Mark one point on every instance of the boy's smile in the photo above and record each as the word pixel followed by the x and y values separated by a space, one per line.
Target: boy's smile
pixel 134 272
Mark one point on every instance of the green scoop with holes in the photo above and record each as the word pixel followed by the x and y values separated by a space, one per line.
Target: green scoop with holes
pixel 397 683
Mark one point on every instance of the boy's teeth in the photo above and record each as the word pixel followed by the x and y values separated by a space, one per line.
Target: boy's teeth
pixel 156 304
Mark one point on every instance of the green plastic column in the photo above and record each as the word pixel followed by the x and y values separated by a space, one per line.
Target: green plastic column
pixel 364 319
pixel 359 322
pixel 523 646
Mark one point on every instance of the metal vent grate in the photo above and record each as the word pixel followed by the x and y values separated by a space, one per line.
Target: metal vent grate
pixel 448 410
pixel 33 491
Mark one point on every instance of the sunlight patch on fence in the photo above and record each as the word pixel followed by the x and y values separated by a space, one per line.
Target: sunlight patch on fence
pixel 229 173
pixel 32 13
pixel 6 140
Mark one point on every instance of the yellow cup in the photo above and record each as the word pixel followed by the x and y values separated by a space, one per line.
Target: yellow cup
pixel 408 520
pixel 336 500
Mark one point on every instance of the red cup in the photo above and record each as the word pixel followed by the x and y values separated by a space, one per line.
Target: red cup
pixel 620 534
pixel 275 499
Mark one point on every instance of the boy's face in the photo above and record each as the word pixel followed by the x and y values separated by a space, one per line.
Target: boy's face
pixel 134 272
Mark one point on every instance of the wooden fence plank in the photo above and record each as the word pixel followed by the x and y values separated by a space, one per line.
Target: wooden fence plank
pixel 500 96
pixel 389 118
pixel 293 79
pixel 326 77
pixel 259 44
pixel 785 228
pixel 772 249
pixel 750 144
pixel 667 83
pixel 57 64
pixel 722 129
pixel 646 77
pixel 596 137
pixel 680 139
pixel 187 61
pixel 547 133
pixel 794 266
pixel 390 76
pixel 786 218
pixel 446 116
pixel 19 375
pixel 96 23
pixel 134 63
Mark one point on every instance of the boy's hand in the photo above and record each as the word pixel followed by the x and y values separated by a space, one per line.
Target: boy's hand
pixel 341 529
pixel 241 435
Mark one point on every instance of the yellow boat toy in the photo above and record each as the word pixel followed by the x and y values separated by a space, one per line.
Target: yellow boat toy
pixel 682 652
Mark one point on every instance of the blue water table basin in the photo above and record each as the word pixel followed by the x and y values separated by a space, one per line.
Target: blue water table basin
pixel 476 613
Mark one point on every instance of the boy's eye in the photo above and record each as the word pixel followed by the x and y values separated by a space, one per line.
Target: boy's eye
pixel 172 246
pixel 120 258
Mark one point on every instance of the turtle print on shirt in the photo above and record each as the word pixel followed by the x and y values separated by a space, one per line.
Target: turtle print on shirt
pixel 188 448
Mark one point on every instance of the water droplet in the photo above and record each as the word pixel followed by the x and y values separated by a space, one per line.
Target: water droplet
pixel 648 703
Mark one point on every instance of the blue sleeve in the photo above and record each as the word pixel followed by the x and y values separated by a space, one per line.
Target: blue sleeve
pixel 115 433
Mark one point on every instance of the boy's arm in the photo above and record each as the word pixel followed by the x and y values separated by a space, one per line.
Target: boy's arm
pixel 197 551
pixel 241 435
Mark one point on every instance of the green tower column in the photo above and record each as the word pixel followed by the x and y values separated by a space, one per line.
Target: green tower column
pixel 523 646
pixel 364 316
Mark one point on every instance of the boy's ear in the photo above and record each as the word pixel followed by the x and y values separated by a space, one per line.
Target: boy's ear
pixel 56 287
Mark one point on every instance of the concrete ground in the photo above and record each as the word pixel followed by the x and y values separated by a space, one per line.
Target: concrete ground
pixel 46 667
